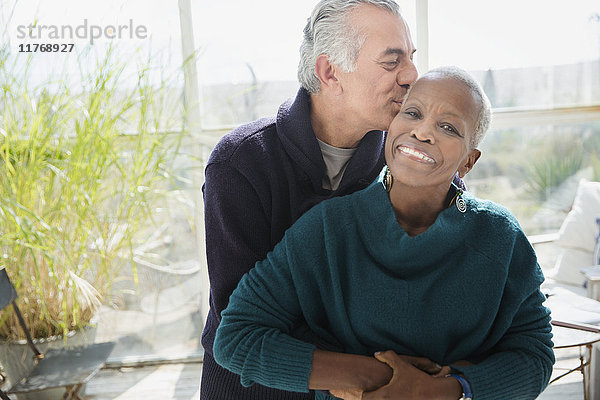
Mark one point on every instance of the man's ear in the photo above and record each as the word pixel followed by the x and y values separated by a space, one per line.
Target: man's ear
pixel 469 162
pixel 326 72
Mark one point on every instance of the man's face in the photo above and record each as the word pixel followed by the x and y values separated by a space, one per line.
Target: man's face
pixel 384 69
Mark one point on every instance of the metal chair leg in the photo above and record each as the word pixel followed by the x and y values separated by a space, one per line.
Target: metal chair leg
pixel 67 393
pixel 585 370
pixel 71 392
pixel 76 392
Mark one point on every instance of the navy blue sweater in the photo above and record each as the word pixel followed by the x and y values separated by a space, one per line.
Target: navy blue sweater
pixel 259 180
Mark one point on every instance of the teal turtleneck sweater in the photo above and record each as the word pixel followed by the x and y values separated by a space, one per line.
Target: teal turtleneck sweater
pixel 466 289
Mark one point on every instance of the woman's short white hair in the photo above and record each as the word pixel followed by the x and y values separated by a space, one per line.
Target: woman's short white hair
pixel 329 31
pixel 485 109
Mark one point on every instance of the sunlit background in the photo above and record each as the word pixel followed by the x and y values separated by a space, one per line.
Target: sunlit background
pixel 538 60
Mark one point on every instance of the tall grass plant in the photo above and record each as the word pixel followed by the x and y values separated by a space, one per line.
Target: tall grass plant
pixel 77 191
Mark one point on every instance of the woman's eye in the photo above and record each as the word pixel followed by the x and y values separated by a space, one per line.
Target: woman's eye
pixel 412 114
pixel 450 128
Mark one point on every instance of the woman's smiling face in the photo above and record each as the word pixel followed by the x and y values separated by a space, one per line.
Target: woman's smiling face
pixel 430 138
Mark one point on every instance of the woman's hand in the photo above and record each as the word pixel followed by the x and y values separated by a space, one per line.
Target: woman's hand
pixel 421 363
pixel 347 394
pixel 411 382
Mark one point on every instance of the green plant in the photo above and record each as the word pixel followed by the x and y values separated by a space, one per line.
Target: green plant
pixel 592 145
pixel 553 165
pixel 76 193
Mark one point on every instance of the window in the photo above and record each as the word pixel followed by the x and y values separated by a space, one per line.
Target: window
pixel 527 54
pixel 153 306
pixel 539 64
pixel 248 56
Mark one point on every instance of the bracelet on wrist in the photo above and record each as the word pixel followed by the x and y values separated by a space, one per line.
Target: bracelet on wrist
pixel 466 387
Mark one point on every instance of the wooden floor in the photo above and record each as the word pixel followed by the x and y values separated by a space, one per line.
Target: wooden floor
pixel 165 382
pixel 182 382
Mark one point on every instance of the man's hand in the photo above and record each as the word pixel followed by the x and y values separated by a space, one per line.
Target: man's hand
pixel 422 363
pixel 445 370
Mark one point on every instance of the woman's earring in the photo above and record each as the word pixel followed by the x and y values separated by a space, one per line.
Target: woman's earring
pixel 388 179
pixel 461 204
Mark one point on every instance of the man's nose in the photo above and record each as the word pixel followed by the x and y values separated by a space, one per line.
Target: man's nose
pixel 407 75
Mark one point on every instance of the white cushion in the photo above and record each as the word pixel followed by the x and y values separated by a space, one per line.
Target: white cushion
pixel 568 265
pixel 579 229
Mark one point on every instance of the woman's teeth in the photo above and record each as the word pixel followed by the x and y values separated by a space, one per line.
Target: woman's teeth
pixel 416 153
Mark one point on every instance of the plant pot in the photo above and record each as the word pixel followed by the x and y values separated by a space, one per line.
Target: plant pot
pixel 17 359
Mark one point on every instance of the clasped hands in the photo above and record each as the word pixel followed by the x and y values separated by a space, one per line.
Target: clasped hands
pixel 412 378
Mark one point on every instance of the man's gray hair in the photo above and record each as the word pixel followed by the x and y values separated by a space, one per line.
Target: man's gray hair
pixel 482 123
pixel 329 31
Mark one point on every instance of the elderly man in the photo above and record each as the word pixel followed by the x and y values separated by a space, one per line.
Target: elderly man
pixel 355 68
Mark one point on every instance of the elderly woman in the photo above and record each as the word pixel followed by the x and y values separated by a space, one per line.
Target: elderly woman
pixel 412 264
